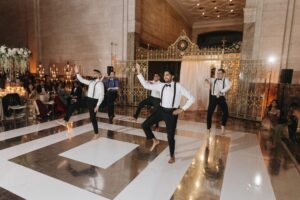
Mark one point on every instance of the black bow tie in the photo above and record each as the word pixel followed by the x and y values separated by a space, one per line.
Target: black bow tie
pixel 168 85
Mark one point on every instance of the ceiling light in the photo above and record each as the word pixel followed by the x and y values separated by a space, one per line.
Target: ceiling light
pixel 198 4
pixel 203 13
pixel 230 0
pixel 271 59
pixel 231 10
pixel 218 16
pixel 215 7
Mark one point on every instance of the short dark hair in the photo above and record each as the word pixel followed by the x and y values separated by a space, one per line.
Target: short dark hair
pixel 221 70
pixel 156 74
pixel 170 71
pixel 96 70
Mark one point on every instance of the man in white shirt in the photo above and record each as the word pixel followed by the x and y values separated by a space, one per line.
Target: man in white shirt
pixel 153 100
pixel 168 111
pixel 219 86
pixel 93 99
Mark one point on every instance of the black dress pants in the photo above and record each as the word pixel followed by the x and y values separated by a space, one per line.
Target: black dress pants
pixel 150 101
pixel 213 102
pixel 166 115
pixel 111 97
pixel 91 104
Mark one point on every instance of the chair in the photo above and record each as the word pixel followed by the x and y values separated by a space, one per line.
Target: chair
pixel 13 109
pixel 42 110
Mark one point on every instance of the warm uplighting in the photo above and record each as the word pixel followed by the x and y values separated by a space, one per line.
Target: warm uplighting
pixel 13 89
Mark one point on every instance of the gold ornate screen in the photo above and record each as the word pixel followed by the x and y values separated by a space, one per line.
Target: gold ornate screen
pixel 245 98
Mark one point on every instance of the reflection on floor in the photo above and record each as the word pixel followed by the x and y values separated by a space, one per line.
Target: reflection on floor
pixel 50 161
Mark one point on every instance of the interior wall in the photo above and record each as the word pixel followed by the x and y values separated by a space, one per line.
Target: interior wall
pixel 158 24
pixel 90 33
pixel 13 23
pixel 275 37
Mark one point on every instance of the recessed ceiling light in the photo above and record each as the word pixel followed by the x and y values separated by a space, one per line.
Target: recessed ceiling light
pixel 230 0
pixel 198 4
pixel 231 10
pixel 218 16
pixel 215 7
pixel 203 13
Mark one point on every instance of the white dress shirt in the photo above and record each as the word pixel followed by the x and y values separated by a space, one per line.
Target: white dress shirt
pixel 168 93
pixel 155 93
pixel 219 87
pixel 96 88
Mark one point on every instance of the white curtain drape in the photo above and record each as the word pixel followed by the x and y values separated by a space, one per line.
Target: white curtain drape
pixel 194 70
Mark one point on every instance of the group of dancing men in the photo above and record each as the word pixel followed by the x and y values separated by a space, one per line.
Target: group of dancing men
pixel 165 99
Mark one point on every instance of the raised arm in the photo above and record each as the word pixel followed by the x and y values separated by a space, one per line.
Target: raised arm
pixel 208 80
pixel 145 83
pixel 79 77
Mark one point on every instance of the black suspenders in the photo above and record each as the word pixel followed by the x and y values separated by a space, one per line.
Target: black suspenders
pixel 174 94
pixel 95 88
pixel 213 92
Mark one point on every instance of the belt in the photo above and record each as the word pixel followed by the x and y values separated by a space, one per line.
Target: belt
pixel 168 109
pixel 155 97
pixel 91 98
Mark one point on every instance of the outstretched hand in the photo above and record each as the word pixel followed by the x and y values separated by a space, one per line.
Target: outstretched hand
pixel 96 109
pixel 76 69
pixel 177 111
pixel 138 68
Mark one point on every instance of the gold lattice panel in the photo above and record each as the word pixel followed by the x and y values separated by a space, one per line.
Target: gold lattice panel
pixel 132 91
pixel 246 97
pixel 183 46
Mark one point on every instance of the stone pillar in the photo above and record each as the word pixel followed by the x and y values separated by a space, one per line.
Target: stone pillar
pixel 248 33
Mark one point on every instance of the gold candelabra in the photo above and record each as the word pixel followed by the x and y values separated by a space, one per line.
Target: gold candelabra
pixel 68 72
pixel 53 73
pixel 41 72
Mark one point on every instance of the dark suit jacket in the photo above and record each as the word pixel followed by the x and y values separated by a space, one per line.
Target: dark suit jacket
pixel 77 92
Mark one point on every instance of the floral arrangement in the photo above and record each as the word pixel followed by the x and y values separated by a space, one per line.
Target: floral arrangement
pixel 14 58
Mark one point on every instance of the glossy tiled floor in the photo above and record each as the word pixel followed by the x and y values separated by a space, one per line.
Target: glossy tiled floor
pixel 50 161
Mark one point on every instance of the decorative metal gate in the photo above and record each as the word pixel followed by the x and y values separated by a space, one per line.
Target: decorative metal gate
pixel 245 98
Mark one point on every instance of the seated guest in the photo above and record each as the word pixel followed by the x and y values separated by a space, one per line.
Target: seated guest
pixel 279 131
pixel 272 116
pixel 292 125
pixel 31 91
pixel 76 93
pixel 42 97
pixel 63 95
